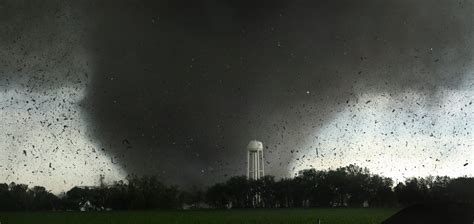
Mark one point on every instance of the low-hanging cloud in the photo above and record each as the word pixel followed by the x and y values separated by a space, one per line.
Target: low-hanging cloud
pixel 178 88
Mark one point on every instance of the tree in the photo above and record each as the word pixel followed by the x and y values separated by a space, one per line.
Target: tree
pixel 267 191
pixel 7 202
pixel 380 193
pixel 240 192
pixel 357 180
pixel 413 191
pixel 21 197
pixel 217 196
pixel 284 193
pixel 461 189
pixel 42 199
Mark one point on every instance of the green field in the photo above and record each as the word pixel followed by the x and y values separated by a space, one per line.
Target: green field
pixel 294 216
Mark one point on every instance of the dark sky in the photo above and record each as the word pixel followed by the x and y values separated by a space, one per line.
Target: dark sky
pixel 178 88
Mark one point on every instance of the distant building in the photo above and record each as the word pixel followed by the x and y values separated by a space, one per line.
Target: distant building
pixel 255 167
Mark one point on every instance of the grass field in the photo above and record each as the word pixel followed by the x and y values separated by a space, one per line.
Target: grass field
pixel 294 216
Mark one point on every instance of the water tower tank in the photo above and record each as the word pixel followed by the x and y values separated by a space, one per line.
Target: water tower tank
pixel 255 145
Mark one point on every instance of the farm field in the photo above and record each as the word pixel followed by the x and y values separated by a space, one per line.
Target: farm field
pixel 256 216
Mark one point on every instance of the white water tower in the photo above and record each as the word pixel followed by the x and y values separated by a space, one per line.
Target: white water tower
pixel 255 169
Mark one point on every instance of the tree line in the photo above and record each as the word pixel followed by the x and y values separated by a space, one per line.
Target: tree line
pixel 349 186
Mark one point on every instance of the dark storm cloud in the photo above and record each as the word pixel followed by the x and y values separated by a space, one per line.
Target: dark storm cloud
pixel 37 41
pixel 180 87
pixel 173 74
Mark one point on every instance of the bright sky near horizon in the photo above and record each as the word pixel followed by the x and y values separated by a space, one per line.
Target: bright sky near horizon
pixel 399 136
